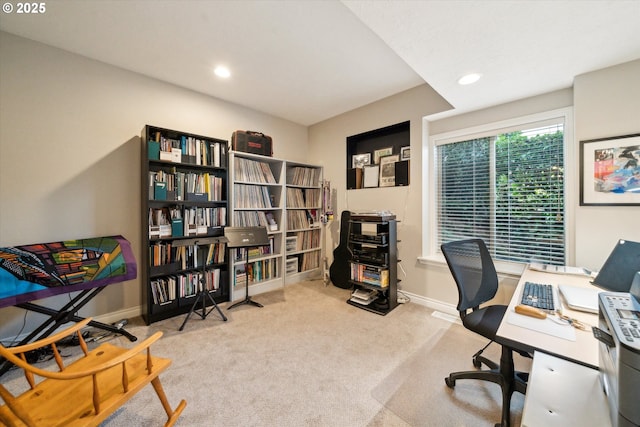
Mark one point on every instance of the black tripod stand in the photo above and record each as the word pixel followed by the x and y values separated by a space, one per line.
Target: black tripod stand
pixel 246 237
pixel 203 292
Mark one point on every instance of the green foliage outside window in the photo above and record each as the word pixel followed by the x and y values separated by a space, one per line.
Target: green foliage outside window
pixel 518 209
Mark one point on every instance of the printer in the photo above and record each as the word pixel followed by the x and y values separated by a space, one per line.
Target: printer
pixel 619 352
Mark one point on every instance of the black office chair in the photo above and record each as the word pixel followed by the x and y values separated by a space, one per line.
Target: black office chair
pixel 477 281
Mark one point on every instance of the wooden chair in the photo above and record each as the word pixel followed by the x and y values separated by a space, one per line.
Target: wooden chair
pixel 88 390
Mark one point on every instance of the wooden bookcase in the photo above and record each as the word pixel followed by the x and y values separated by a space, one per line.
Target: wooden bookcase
pixel 256 199
pixel 372 241
pixel 184 212
pixel 286 197
pixel 303 241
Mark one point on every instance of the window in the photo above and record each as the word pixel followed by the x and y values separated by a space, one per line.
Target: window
pixel 505 186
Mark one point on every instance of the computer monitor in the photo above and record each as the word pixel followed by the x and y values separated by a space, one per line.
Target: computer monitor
pixel 618 271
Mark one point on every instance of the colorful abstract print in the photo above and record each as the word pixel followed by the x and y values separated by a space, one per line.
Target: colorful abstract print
pixel 40 270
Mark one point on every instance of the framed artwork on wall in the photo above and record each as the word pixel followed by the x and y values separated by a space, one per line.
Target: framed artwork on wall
pixel 610 171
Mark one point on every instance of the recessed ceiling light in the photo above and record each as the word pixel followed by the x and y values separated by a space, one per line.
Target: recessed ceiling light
pixel 469 78
pixel 222 71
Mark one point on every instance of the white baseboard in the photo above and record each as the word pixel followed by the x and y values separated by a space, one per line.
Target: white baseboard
pixel 433 304
pixel 113 317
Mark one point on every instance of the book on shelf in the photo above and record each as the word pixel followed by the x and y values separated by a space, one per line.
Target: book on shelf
pixel 272 225
pixel 303 176
pixel 252 196
pixel 163 290
pixel 159 223
pixel 255 219
pixel 253 171
pixel 370 274
pixel 310 261
pixel 257 271
pixel 303 198
pixel 303 240
pixel 178 185
pixel 187 149
pixel 240 254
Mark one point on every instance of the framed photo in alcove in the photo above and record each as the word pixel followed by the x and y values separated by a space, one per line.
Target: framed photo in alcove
pixel 405 153
pixel 378 154
pixel 388 170
pixel 360 160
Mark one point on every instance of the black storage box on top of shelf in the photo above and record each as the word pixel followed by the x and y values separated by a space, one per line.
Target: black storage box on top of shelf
pixel 252 142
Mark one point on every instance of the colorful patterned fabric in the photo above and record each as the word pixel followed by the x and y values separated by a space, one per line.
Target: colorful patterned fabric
pixel 36 271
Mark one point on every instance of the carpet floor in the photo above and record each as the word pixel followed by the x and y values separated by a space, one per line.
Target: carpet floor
pixel 309 359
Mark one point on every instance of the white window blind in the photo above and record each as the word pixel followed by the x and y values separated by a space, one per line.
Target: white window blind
pixel 506 188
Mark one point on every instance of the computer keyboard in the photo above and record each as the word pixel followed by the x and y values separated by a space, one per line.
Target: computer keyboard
pixel 538 295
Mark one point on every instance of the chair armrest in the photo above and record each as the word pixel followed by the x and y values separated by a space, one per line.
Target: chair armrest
pixel 47 340
pixel 87 372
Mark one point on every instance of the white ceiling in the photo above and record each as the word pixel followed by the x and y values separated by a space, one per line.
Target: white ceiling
pixel 307 61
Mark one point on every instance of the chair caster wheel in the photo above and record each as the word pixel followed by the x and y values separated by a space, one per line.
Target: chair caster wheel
pixel 476 363
pixel 450 382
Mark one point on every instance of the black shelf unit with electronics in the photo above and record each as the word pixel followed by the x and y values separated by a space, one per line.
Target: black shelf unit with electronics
pixel 184 212
pixel 372 242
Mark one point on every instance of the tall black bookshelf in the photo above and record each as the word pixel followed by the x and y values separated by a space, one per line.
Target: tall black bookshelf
pixel 184 212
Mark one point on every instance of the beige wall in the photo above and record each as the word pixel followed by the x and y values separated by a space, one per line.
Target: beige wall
pixel 607 103
pixel 327 142
pixel 70 154
pixel 427 283
pixel 70 151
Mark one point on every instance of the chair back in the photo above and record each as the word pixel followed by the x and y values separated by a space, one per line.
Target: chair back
pixel 473 270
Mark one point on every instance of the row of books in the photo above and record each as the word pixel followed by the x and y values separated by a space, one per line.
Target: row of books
pixel 303 198
pixel 257 271
pixel 303 176
pixel 240 254
pixel 168 288
pixel 190 256
pixel 255 219
pixel 189 150
pixel 177 185
pixel 185 221
pixel 300 219
pixel 303 240
pixel 252 196
pixel 249 170
pixel 370 274
pixel 209 217
pixel 310 261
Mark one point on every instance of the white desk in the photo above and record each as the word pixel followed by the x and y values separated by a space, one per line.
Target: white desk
pixel 583 350
pixel 561 393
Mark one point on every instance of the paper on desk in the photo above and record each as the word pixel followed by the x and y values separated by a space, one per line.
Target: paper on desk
pixel 546 326
pixel 560 269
